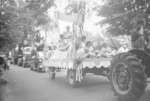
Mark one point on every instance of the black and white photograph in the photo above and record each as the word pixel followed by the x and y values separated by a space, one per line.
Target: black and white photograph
pixel 74 50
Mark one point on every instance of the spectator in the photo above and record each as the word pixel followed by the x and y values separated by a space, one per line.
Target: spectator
pixel 2 69
pixel 1 66
pixel 138 40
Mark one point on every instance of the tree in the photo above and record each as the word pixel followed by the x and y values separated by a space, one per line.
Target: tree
pixel 36 12
pixel 8 36
pixel 38 8
pixel 125 16
pixel 17 19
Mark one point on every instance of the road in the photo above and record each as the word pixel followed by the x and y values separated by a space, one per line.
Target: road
pixel 26 85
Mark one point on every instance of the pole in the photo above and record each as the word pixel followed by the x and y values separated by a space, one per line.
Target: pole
pixel 78 27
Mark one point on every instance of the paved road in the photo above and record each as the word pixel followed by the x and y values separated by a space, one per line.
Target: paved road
pixel 26 85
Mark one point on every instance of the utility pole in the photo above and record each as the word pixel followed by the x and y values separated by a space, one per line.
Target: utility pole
pixel 78 26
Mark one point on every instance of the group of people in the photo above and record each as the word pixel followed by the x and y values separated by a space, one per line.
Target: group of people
pixel 86 48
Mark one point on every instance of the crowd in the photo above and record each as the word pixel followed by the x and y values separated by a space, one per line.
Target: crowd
pixel 89 48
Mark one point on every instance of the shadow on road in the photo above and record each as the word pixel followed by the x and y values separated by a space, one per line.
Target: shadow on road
pixel 92 84
pixel 95 85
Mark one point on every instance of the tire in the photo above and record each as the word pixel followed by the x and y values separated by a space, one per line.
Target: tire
pixel 127 77
pixel 19 63
pixel 16 60
pixel 31 69
pixel 24 65
pixel 71 77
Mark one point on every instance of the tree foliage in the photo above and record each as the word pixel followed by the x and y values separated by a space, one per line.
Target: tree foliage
pixel 38 9
pixel 7 32
pixel 17 19
pixel 126 16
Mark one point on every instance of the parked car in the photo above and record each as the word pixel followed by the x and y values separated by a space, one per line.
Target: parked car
pixel 37 63
pixel 20 60
pixel 27 56
pixel 15 56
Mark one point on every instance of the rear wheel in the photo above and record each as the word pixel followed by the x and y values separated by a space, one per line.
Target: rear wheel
pixel 127 77
pixel 24 63
pixel 19 62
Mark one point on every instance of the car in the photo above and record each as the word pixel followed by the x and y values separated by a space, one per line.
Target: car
pixel 27 56
pixel 37 63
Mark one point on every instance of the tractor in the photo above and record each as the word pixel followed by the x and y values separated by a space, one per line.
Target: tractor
pixel 129 71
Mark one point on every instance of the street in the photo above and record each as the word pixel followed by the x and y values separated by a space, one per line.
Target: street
pixel 26 85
